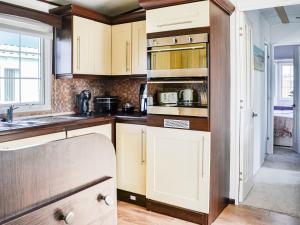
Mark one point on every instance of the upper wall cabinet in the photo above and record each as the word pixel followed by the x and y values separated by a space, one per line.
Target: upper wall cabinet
pixel 178 17
pixel 139 48
pixel 121 49
pixel 129 48
pixel 83 47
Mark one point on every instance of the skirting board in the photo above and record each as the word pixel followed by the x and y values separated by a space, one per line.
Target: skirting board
pixel 180 213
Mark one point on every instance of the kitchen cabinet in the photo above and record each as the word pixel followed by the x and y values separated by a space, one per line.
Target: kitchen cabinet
pixel 121 49
pixel 129 48
pixel 101 129
pixel 91 47
pixel 139 48
pixel 131 157
pixel 178 167
pixel 27 142
pixel 83 47
pixel 193 15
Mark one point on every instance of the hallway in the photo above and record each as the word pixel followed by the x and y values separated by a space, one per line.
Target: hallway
pixel 277 184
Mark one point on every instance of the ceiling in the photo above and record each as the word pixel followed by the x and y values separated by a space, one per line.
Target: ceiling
pixel 106 7
pixel 271 16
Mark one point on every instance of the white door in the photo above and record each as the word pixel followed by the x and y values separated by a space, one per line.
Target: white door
pixel 246 113
pixel 121 49
pixel 131 157
pixel 178 167
pixel 296 94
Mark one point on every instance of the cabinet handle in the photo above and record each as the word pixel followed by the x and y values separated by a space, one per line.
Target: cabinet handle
pixel 78 53
pixel 202 164
pixel 173 24
pixel 127 61
pixel 143 147
pixel 69 218
pixel 107 199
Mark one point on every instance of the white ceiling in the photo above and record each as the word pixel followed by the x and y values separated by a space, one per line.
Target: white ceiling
pixel 106 7
pixel 271 16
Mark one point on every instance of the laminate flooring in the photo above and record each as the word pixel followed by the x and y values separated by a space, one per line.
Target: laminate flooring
pixel 129 214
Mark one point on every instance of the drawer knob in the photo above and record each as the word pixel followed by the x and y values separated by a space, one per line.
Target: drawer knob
pixel 69 218
pixel 107 199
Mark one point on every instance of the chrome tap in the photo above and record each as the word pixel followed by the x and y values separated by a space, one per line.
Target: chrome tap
pixel 10 113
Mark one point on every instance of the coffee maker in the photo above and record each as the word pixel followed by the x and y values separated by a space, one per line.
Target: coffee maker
pixel 82 102
pixel 143 98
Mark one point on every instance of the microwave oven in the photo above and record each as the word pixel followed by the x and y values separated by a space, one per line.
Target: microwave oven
pixel 178 56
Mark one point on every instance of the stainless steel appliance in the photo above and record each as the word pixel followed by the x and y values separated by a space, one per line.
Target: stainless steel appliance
pixel 143 98
pixel 178 56
pixel 82 102
pixel 168 98
pixel 106 104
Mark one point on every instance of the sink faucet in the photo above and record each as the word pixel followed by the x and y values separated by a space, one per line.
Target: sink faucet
pixel 10 113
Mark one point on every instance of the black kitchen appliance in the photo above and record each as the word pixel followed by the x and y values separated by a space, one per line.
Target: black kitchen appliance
pixel 128 108
pixel 143 98
pixel 106 104
pixel 82 102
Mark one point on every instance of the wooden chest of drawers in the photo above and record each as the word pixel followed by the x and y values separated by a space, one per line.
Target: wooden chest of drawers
pixel 94 205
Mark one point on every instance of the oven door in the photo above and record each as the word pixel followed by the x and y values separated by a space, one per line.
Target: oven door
pixel 177 59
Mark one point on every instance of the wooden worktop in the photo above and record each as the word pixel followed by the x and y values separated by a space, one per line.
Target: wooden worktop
pixel 31 131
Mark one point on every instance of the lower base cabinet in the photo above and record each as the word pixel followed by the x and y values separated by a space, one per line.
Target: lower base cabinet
pixel 178 168
pixel 131 157
pixel 27 142
pixel 101 129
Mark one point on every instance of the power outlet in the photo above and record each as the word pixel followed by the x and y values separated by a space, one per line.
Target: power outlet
pixel 132 198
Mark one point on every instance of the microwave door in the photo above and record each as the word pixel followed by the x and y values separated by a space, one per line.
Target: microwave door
pixel 178 61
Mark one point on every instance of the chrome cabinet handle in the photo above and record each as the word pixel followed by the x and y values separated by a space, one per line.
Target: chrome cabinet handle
pixel 78 53
pixel 143 147
pixel 173 24
pixel 127 68
pixel 69 218
pixel 107 199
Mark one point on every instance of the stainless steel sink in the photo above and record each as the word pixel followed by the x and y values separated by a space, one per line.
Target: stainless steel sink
pixel 39 121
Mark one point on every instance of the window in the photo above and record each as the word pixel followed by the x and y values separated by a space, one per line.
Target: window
pixel 25 70
pixel 285 82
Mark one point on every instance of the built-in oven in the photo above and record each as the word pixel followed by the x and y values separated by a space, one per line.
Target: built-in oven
pixel 178 56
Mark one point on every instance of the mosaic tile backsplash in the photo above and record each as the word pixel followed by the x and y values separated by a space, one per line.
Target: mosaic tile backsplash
pixel 64 91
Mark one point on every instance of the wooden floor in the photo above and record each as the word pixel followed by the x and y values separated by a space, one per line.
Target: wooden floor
pixel 233 215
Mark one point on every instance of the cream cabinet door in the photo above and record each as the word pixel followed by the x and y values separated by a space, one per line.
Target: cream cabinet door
pixel 81 46
pixel 32 141
pixel 101 48
pixel 139 48
pixel 178 17
pixel 178 167
pixel 102 129
pixel 121 49
pixel 131 158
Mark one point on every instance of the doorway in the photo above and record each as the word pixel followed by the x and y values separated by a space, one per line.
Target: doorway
pixel 269 159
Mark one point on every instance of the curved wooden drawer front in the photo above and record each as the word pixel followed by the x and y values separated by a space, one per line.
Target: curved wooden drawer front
pixel 87 207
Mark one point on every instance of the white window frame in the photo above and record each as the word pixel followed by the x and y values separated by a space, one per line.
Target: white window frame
pixel 46 92
pixel 278 99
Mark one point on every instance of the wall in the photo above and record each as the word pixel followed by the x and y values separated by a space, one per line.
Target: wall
pixel 64 91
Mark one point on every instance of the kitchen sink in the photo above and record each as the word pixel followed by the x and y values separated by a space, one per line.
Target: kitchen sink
pixel 39 121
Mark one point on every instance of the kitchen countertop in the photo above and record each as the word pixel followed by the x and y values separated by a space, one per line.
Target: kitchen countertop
pixel 62 126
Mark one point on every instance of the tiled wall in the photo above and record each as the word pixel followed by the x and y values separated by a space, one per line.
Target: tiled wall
pixel 127 90
pixel 64 91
